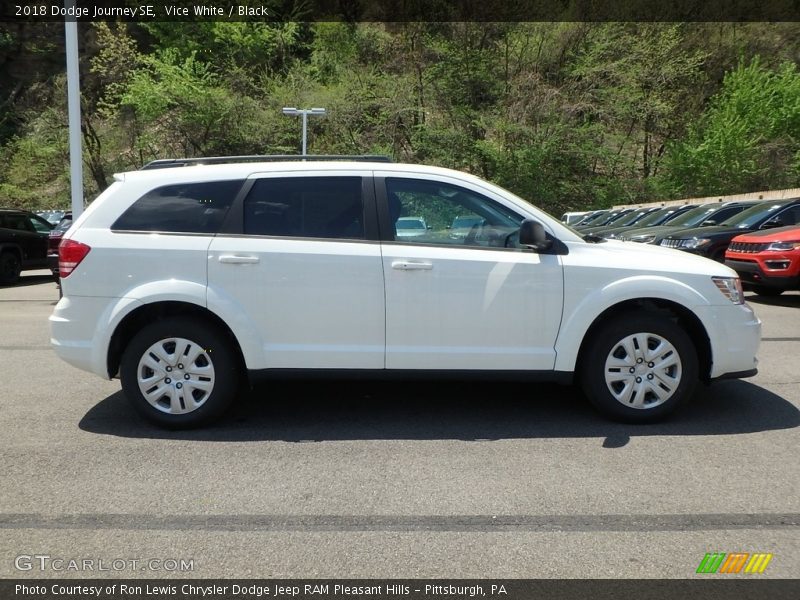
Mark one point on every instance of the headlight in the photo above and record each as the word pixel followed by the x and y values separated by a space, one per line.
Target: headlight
pixel 644 239
pixel 695 243
pixel 731 288
pixel 783 246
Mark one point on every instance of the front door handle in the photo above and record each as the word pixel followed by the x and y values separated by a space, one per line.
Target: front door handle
pixel 235 259
pixel 411 265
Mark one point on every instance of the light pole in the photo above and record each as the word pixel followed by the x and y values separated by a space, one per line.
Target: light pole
pixel 74 112
pixel 303 113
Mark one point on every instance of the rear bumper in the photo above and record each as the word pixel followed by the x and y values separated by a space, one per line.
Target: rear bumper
pixel 81 328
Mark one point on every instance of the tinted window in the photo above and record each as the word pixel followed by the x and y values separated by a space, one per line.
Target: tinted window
pixel 790 216
pixel 181 208
pixel 657 217
pixel 17 222
pixel 693 216
pixel 753 215
pixel 315 207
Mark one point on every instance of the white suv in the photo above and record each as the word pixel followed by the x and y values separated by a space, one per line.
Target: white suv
pixel 188 281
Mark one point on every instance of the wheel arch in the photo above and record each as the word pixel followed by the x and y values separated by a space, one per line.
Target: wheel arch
pixel 147 313
pixel 12 248
pixel 683 316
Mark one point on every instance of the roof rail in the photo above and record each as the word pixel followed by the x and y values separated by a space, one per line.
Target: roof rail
pixel 166 163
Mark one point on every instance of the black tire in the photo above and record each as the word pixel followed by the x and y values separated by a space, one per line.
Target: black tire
pixel 10 268
pixel 608 339
pixel 766 291
pixel 214 348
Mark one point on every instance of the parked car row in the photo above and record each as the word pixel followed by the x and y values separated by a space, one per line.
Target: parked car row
pixel 760 240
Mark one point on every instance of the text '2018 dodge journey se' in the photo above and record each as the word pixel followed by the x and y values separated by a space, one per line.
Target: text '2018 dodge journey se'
pixel 183 280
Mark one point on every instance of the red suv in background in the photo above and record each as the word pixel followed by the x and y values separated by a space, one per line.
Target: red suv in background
pixel 767 261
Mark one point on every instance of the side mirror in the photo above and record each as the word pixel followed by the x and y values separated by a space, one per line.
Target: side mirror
pixel 532 235
pixel 708 223
pixel 430 226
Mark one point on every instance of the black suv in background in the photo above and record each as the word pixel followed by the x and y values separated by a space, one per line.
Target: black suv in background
pixel 23 243
pixel 702 215
pixel 712 242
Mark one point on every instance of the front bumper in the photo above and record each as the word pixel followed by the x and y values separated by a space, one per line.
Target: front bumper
pixel 735 335
pixel 752 273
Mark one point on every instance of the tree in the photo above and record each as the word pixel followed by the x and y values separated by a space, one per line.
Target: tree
pixel 748 138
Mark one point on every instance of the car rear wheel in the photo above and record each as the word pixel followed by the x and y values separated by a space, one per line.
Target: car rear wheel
pixel 639 368
pixel 10 268
pixel 179 372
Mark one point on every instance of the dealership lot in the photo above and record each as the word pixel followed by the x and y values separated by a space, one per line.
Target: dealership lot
pixel 361 479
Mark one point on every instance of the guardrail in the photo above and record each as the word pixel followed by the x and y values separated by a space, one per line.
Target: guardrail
pixel 763 195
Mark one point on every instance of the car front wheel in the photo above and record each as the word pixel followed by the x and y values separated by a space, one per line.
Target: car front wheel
pixel 179 372
pixel 639 368
pixel 767 291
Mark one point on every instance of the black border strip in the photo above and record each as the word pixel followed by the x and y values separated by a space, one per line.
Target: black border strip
pixel 406 10
pixel 707 587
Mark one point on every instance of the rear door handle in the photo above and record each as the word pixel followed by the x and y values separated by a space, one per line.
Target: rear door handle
pixel 411 265
pixel 234 259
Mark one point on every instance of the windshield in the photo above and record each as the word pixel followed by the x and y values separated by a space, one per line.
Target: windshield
pixel 596 219
pixel 411 224
pixel 466 222
pixel 655 217
pixel 636 216
pixel 618 218
pixel 694 216
pixel 748 218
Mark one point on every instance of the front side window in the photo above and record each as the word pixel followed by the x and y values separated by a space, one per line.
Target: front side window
pixel 790 216
pixel 181 208
pixel 307 207
pixel 18 223
pixel 431 212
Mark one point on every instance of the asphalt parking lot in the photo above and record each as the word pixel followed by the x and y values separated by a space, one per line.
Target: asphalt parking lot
pixel 386 480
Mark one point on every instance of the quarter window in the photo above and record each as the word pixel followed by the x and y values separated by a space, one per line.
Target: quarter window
pixel 309 207
pixel 181 208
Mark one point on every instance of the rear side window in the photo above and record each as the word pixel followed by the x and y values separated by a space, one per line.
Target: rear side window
pixel 181 208
pixel 309 207
pixel 17 222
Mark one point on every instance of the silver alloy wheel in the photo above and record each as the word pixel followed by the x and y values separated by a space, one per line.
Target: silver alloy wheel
pixel 643 370
pixel 175 375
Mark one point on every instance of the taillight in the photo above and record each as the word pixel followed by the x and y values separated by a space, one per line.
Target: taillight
pixel 70 255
